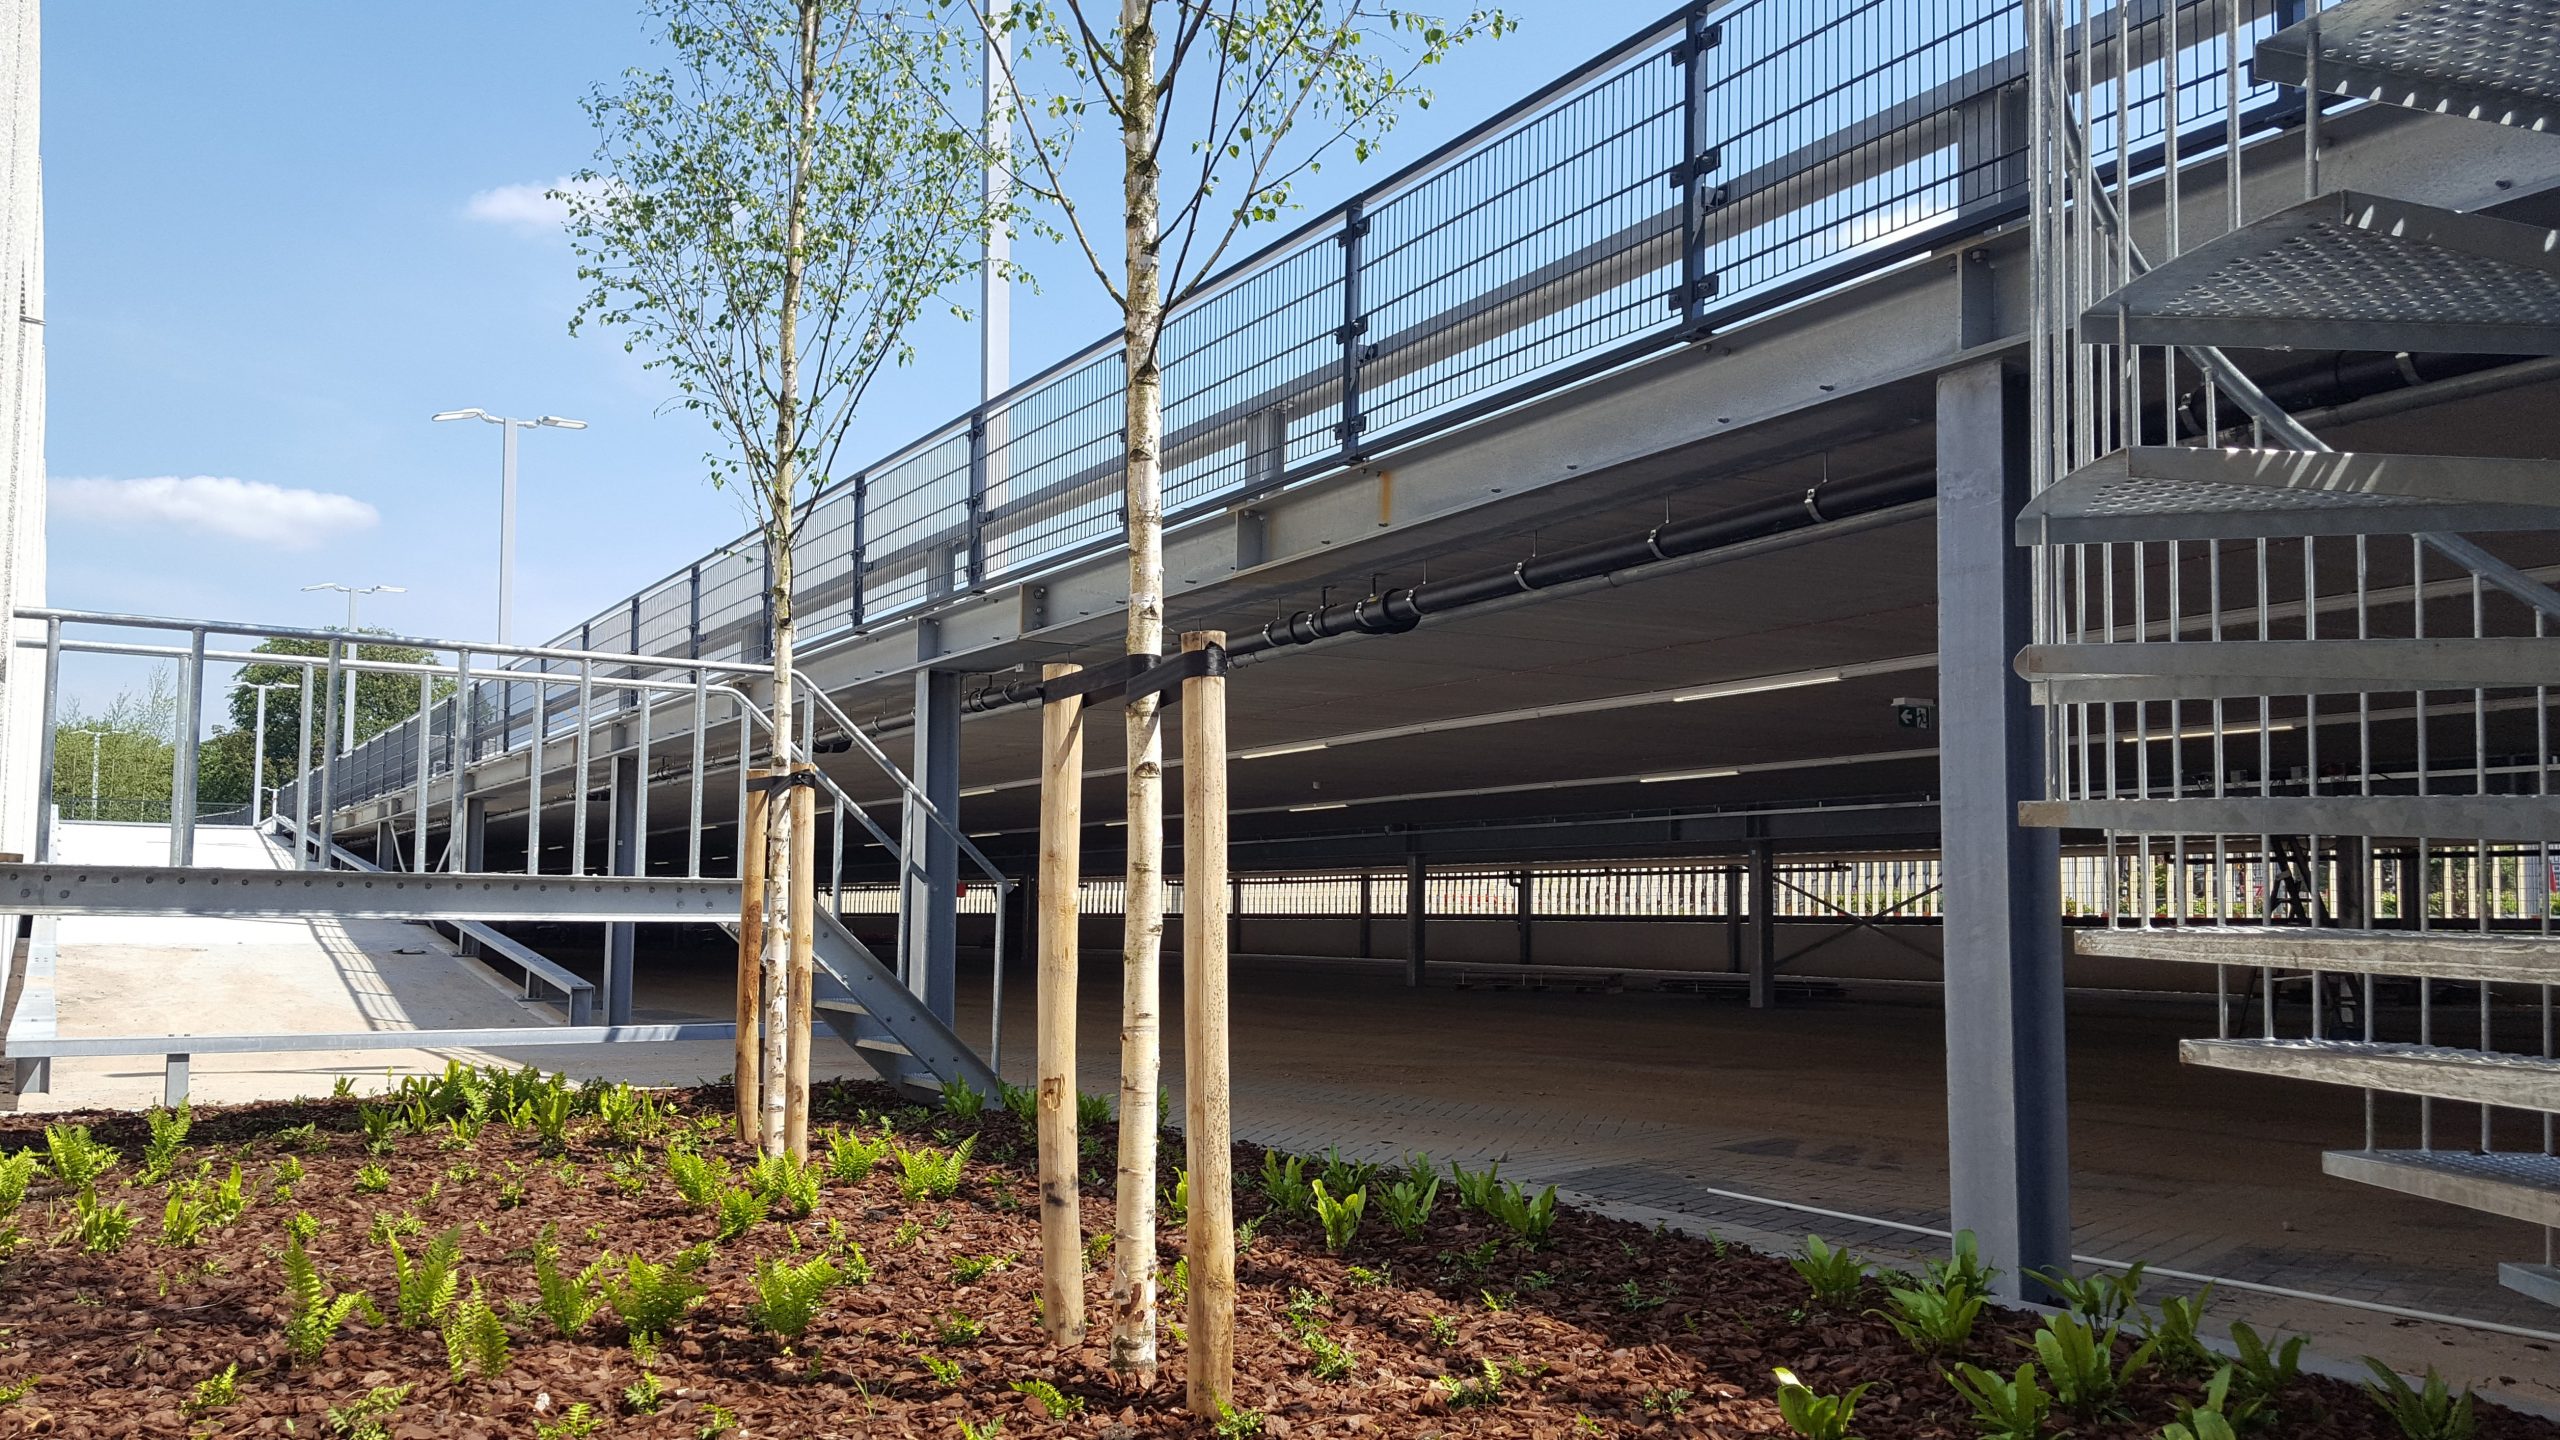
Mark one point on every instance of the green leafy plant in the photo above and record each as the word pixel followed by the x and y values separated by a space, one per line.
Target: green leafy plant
pixel 788 1295
pixel 215 1392
pixel 2200 1425
pixel 1339 1217
pixel 567 1300
pixel 2262 1372
pixel 426 1286
pixel 370 1417
pixel 717 1420
pixel 1175 1199
pixel 1408 1203
pixel 1342 1175
pixel 786 1184
pixel 1665 1404
pixel 644 1395
pixel 314 1313
pixel 970 1269
pixel 1284 1184
pixel 475 1339
pixel 302 1225
pixel 964 1102
pixel 98 1227
pixel 925 1173
pixel 2218 1416
pixel 988 1429
pixel 2104 1299
pixel 75 1158
pixel 1476 1188
pixel 1092 1111
pixel 1022 1100
pixel 1058 1405
pixel 1930 1320
pixel 2427 1411
pixel 1482 1388
pixel 371 1179
pixel 1097 1248
pixel 1832 1274
pixel 650 1298
pixel 944 1370
pixel 168 1137
pixel 551 1114
pixel 2176 1334
pixel 1814 1415
pixel 378 1122
pixel 182 1218
pixel 1962 1272
pixel 737 1209
pixel 850 1158
pixel 575 1423
pixel 961 1329
pixel 628 1113
pixel 2081 1362
pixel 1527 1217
pixel 2004 1408
pixel 1235 1424
pixel 16 1170
pixel 304 1137
pixel 700 1179
pixel 1334 1359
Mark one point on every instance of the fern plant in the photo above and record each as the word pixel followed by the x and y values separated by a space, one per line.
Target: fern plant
pixel 168 1137
pixel 16 1170
pixel 215 1392
pixel 2004 1407
pixel 1339 1217
pixel 1022 1100
pixel 551 1113
pixel 370 1417
pixel 567 1300
pixel 1092 1111
pixel 1058 1404
pixel 737 1209
pixel 925 1173
pixel 75 1158
pixel 698 1178
pixel 1284 1183
pixel 964 1101
pixel 788 1295
pixel 850 1158
pixel 475 1339
pixel 649 1298
pixel 182 1218
pixel 1814 1415
pixel 1832 1274
pixel 371 1179
pixel 2427 1411
pixel 427 1285
pixel 1408 1203
pixel 786 1184
pixel 313 1312
pixel 2081 1362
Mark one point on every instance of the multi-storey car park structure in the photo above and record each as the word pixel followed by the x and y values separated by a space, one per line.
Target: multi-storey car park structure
pixel 2005 493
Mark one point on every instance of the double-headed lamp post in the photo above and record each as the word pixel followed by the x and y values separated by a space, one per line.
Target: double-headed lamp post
pixel 351 592
pixel 508 426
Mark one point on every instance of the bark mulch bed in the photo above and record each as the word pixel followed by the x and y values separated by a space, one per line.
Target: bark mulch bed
pixel 1605 1329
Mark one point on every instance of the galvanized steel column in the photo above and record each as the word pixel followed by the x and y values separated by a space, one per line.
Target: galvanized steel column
pixel 629 852
pixel 932 871
pixel 2006 1114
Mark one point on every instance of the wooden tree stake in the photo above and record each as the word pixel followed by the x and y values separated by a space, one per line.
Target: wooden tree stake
pixel 750 1057
pixel 804 933
pixel 1207 1144
pixel 1061 866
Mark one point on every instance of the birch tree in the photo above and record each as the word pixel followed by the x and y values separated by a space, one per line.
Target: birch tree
pixel 767 216
pixel 1222 108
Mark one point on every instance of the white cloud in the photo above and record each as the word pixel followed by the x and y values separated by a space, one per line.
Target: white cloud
pixel 529 207
pixel 218 504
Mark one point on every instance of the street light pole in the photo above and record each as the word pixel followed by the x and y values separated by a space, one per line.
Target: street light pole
pixel 507 427
pixel 351 592
pixel 258 756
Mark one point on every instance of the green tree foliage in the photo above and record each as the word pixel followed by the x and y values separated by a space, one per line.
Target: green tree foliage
pixel 382 701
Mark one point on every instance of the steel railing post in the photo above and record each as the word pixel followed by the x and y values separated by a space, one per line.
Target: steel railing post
pixel 578 779
pixel 1355 226
pixel 974 571
pixel 302 778
pixel 328 809
pixel 693 612
pixel 182 773
pixel 426 741
pixel 1698 159
pixel 693 804
pixel 45 739
pixel 861 566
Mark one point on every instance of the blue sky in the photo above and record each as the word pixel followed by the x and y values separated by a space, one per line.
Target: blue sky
pixel 280 235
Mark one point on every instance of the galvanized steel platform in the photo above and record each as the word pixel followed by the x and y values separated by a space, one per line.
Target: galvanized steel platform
pixel 2171 492
pixel 2442 954
pixel 2519 1184
pixel 2477 1077
pixel 2492 60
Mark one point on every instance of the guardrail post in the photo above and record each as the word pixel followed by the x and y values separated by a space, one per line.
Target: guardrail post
pixel 861 547
pixel 182 774
pixel 761 647
pixel 173 1079
pixel 1355 226
pixel 1698 160
pixel 693 611
pixel 45 739
pixel 621 940
pixel 975 570
pixel 931 879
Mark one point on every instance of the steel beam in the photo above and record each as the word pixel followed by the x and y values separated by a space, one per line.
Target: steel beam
pixel 932 869
pixel 513 1037
pixel 629 848
pixel 295 895
pixel 2007 1134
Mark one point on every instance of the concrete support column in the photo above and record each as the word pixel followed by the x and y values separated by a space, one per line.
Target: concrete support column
pixel 1235 914
pixel 1764 925
pixel 627 847
pixel 1733 918
pixel 932 880
pixel 2006 1109
pixel 1414 876
pixel 1368 910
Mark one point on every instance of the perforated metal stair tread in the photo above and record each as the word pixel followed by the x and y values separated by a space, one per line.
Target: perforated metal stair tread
pixel 2518 1184
pixel 2200 670
pixel 2464 817
pixel 2490 60
pixel 2159 492
pixel 2351 271
pixel 2479 1077
pixel 2522 959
